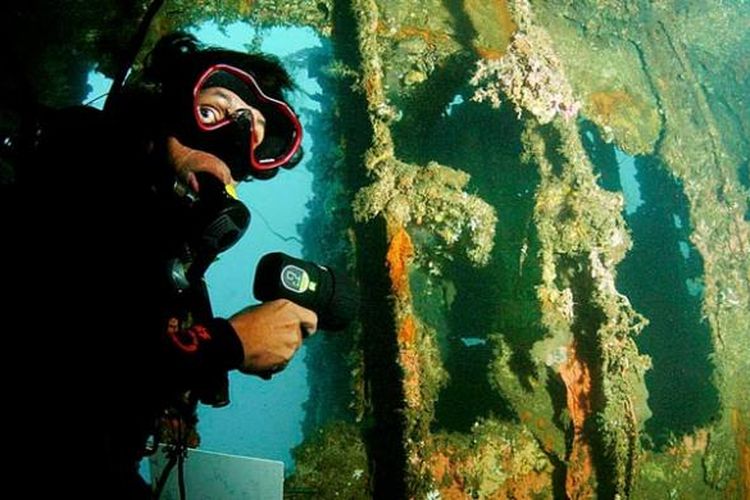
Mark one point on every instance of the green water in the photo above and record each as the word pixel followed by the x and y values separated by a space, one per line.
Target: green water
pixel 662 277
pixel 450 129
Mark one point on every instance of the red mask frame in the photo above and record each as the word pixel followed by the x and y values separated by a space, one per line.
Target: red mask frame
pixel 264 104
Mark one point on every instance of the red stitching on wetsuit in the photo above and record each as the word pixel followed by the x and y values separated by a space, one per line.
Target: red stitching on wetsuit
pixel 189 340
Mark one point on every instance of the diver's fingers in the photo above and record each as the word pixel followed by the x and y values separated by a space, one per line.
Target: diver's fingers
pixel 218 169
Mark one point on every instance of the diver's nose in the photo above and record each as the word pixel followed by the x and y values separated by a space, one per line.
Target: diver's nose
pixel 255 118
pixel 259 125
pixel 242 114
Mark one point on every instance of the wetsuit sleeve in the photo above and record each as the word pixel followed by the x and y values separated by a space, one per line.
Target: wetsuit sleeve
pixel 203 348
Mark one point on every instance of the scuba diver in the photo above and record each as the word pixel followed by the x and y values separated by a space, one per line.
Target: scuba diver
pixel 110 223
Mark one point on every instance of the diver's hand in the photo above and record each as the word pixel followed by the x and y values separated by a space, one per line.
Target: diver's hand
pixel 271 333
pixel 187 161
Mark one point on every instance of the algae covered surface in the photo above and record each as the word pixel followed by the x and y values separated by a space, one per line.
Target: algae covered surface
pixel 580 368
pixel 545 204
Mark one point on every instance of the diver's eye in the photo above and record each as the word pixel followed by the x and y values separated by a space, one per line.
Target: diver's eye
pixel 209 115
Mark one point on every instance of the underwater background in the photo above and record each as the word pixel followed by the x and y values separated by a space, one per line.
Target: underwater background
pixel 545 205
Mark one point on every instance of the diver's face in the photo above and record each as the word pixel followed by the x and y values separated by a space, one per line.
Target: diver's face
pixel 218 103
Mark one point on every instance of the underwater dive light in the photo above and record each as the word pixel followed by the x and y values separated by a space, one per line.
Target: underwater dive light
pixel 331 295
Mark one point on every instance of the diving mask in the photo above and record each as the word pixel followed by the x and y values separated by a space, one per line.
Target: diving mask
pixel 235 137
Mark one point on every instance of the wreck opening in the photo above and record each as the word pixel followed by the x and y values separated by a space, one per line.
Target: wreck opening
pixel 662 275
pixel 464 303
pixel 744 174
pixel 744 178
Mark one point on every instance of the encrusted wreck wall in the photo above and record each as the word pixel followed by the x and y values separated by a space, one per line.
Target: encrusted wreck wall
pixel 574 413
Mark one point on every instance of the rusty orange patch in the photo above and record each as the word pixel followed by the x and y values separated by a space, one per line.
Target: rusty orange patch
pixel 743 448
pixel 524 487
pixel 577 379
pixel 404 31
pixel 607 104
pixel 400 252
pixel 493 21
pixel 408 331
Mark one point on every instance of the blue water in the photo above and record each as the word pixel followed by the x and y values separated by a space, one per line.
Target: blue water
pixel 265 417
pixel 630 187
pixel 99 86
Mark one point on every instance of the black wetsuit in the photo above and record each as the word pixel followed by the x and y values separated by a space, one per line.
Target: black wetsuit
pixel 85 251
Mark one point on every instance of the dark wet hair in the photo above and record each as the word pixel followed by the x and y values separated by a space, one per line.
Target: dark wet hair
pixel 178 59
pixel 165 84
